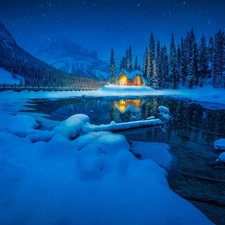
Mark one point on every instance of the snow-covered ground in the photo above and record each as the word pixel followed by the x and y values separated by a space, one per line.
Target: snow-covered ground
pixel 65 176
pixel 74 175
pixel 7 78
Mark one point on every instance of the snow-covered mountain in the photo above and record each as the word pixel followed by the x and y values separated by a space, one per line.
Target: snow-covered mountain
pixel 73 58
pixel 16 60
pixel 33 71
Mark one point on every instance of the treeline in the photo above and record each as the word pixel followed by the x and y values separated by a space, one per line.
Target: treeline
pixel 36 72
pixel 188 63
pixel 39 75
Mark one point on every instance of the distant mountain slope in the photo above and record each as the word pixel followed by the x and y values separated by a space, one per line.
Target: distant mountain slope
pixel 73 58
pixel 16 60
pixel 34 71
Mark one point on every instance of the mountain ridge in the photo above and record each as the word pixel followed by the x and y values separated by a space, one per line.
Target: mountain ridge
pixel 34 71
pixel 71 57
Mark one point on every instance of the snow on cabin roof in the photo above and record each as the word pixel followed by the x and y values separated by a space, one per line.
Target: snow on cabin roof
pixel 131 75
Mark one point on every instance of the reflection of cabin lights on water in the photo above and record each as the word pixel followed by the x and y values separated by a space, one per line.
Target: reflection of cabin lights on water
pixel 136 103
pixel 122 104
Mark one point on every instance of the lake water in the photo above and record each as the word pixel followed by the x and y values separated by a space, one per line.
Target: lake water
pixel 190 133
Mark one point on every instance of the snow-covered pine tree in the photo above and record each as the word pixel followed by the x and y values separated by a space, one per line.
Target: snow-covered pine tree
pixel 203 62
pixel 173 73
pixel 151 58
pixel 145 63
pixel 218 60
pixel 179 62
pixel 192 60
pixel 129 58
pixel 157 68
pixel 164 67
pixel 112 68
pixel 123 63
pixel 136 63
pixel 184 60
pixel 139 67
pixel 210 54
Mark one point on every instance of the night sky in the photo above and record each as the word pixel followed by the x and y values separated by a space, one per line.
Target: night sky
pixel 104 24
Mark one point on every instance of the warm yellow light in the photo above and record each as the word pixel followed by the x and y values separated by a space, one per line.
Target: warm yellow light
pixel 121 105
pixel 123 80
pixel 137 103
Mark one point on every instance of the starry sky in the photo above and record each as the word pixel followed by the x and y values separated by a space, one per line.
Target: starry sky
pixel 104 24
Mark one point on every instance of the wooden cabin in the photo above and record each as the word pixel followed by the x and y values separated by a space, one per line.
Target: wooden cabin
pixel 133 78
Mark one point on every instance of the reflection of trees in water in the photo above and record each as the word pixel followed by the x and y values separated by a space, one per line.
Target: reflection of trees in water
pixel 190 120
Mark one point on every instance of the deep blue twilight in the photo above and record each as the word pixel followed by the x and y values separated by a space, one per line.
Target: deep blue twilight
pixel 102 24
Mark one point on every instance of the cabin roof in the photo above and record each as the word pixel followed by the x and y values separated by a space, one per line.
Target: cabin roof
pixel 130 75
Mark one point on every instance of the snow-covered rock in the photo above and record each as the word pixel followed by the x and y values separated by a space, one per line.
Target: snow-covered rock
pixel 72 126
pixel 219 144
pixel 163 110
pixel 222 157
pixel 164 113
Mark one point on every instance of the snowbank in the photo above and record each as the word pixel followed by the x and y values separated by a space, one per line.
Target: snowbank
pixel 7 78
pixel 94 179
pixel 222 157
pixel 120 126
pixel 219 144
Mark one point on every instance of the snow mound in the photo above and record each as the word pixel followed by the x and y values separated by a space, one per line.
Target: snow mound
pixel 72 126
pixel 106 153
pixel 20 125
pixel 219 144
pixel 163 110
pixel 164 113
pixel 83 181
pixel 158 152
pixel 222 157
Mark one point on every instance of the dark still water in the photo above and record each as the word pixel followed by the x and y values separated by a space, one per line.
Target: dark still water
pixel 190 133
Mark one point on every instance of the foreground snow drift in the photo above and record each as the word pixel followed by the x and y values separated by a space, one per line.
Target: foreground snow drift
pixel 64 177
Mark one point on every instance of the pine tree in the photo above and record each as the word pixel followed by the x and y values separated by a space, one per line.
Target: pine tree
pixel 192 60
pixel 179 61
pixel 151 58
pixel 164 68
pixel 157 68
pixel 145 63
pixel 136 63
pixel 173 73
pixel 123 63
pixel 203 62
pixel 183 61
pixel 112 67
pixel 210 51
pixel 129 58
pixel 218 59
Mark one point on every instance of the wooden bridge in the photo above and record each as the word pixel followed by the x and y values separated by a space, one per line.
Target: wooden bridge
pixel 18 88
